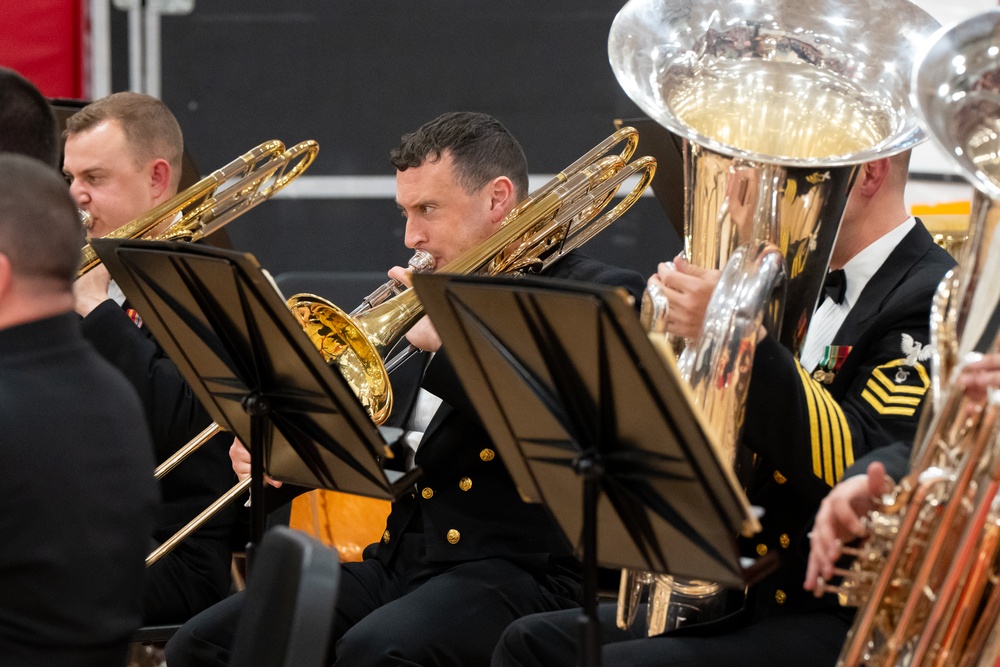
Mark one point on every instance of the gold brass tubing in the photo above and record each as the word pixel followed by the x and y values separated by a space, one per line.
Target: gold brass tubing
pixel 195 523
pixel 185 451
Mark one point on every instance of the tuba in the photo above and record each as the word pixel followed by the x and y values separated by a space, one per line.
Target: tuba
pixel 560 216
pixel 927 577
pixel 777 101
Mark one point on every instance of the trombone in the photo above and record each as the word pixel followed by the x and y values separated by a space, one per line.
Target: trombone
pixel 193 214
pixel 559 217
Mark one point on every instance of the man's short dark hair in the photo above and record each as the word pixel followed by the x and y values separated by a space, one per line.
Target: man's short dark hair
pixel 481 149
pixel 27 125
pixel 40 232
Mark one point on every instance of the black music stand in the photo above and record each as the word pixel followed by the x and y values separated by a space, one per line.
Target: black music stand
pixel 250 364
pixel 593 423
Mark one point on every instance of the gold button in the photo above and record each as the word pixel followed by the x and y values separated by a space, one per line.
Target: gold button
pixel 784 540
pixel 453 536
pixel 385 536
pixel 761 549
pixel 780 596
pixel 427 493
pixel 465 484
pixel 779 478
pixel 487 454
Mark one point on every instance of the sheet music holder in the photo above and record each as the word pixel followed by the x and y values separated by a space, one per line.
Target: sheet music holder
pixel 592 422
pixel 252 367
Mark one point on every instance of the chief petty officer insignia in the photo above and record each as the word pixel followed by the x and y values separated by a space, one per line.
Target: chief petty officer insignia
pixel 833 359
pixel 896 388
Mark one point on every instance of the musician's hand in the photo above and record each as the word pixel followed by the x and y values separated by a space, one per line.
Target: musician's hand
pixel 240 456
pixel 424 335
pixel 838 521
pixel 402 274
pixel 688 289
pixel 91 289
pixel 981 375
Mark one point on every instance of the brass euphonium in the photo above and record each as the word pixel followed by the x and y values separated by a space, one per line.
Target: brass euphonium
pixel 927 578
pixel 553 220
pixel 778 101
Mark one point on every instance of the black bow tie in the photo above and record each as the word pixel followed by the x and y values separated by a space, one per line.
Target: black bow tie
pixel 835 285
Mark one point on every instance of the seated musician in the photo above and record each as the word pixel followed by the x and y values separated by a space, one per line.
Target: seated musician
pixel 462 555
pixel 76 461
pixel 838 520
pixel 123 157
pixel 803 433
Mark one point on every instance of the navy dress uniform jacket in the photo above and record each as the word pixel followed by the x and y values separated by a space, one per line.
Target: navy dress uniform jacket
pixel 805 433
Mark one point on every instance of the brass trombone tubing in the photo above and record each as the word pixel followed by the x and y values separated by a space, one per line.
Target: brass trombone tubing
pixel 261 172
pixel 196 523
pixel 190 448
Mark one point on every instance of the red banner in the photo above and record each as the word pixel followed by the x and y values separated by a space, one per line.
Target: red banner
pixel 43 40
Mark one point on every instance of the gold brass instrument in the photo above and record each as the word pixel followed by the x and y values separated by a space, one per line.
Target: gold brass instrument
pixel 777 102
pixel 926 577
pixel 218 198
pixel 193 214
pixel 557 218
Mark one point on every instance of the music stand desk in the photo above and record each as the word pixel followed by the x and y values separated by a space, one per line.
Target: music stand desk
pixel 593 423
pixel 231 336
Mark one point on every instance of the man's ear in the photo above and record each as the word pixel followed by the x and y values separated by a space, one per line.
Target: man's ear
pixel 6 276
pixel 159 178
pixel 503 198
pixel 872 175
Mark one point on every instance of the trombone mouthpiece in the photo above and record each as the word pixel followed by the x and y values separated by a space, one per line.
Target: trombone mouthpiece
pixel 86 219
pixel 422 262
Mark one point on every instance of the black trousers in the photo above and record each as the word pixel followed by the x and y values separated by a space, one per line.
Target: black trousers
pixel 412 613
pixel 192 577
pixel 552 640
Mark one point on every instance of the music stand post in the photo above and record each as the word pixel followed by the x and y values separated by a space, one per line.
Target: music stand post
pixel 593 423
pixel 246 358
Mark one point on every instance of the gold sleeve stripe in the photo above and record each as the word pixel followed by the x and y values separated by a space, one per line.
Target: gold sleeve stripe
pixel 897 388
pixel 832 447
pixel 813 422
pixel 883 409
pixel 877 389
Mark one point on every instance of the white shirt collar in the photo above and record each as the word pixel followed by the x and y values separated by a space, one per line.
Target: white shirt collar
pixel 859 269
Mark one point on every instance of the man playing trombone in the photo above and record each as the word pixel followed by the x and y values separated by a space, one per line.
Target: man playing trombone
pixel 123 157
pixel 461 555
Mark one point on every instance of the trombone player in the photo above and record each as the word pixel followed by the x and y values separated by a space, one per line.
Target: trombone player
pixel 855 389
pixel 123 157
pixel 462 555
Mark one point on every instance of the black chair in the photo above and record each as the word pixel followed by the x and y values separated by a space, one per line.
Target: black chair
pixel 290 597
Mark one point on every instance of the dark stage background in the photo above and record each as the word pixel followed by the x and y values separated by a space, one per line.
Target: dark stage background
pixel 355 76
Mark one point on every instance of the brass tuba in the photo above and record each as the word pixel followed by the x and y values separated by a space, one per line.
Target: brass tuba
pixel 927 578
pixel 560 216
pixel 213 201
pixel 778 101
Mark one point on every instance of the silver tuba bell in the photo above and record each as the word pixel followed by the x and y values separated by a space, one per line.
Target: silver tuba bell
pixel 778 101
